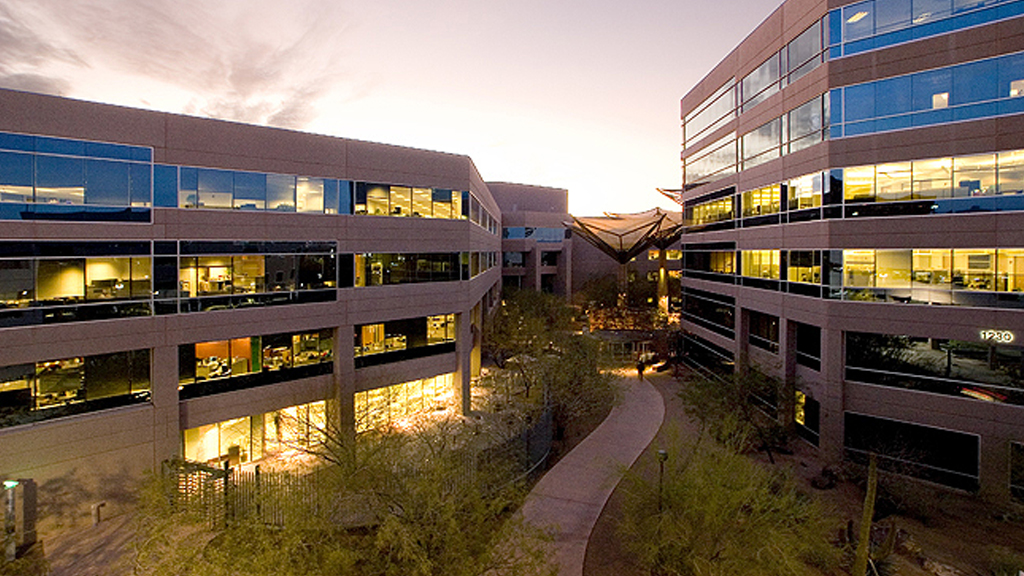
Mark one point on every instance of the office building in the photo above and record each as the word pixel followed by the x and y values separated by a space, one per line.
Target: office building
pixel 172 286
pixel 852 189
pixel 536 246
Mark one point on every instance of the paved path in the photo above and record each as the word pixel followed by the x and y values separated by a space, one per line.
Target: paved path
pixel 569 498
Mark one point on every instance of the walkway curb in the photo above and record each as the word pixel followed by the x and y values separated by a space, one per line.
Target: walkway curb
pixel 568 499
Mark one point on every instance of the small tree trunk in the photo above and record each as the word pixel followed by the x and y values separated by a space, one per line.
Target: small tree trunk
pixel 860 560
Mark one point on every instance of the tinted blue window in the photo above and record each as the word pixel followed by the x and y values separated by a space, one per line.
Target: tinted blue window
pixel 15 169
pixel 975 82
pixel 141 184
pixel 56 172
pixel 142 154
pixel 17 142
pixel 926 10
pixel 1011 75
pixel 835 27
pixel 893 123
pixel 929 88
pixel 972 111
pixel 930 117
pixel 859 102
pixel 12 211
pixel 250 191
pixel 835 106
pixel 113 151
pixel 891 15
pixel 189 178
pixel 344 197
pixel 165 186
pixel 895 96
pixel 1011 106
pixel 60 146
pixel 330 196
pixel 106 183
pixel 281 193
pixel 858 128
pixel 858 20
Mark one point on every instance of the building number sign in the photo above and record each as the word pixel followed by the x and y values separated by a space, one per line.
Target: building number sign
pixel 999 336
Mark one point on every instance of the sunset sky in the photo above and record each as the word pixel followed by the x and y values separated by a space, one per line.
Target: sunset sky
pixel 575 94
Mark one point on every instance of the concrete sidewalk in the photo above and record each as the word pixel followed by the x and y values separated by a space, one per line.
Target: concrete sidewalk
pixel 568 500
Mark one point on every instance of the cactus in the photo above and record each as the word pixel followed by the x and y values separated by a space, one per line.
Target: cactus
pixel 860 559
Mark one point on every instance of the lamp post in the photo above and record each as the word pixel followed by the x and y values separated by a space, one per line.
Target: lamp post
pixel 662 457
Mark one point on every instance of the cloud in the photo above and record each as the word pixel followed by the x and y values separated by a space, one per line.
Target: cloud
pixel 256 61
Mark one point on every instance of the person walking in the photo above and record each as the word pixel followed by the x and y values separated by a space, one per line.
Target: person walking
pixel 640 368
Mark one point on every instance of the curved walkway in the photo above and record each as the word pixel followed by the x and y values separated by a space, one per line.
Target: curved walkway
pixel 569 498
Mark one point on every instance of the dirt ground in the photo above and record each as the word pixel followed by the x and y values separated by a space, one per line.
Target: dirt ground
pixel 955 532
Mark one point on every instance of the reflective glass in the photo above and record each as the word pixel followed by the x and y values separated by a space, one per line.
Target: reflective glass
pixel 60 180
pixel 931 89
pixel 805 46
pixel 761 83
pixel 719 158
pixel 891 15
pixel 975 82
pixel 188 185
pixel 15 177
pixel 858 20
pixel 250 191
pixel 897 96
pixel 859 102
pixel 345 204
pixel 1011 172
pixel 711 114
pixel 106 183
pixel 281 193
pixel 762 139
pixel 331 196
pixel 215 188
pixel 805 125
pixel 141 184
pixel 1011 76
pixel 928 10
